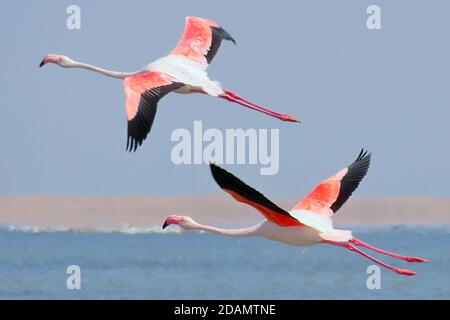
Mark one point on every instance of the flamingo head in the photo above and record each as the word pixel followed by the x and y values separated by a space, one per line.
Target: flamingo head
pixel 182 221
pixel 61 61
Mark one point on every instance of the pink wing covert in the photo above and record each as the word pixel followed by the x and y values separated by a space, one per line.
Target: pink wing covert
pixel 201 40
pixel 138 84
pixel 323 196
pixel 329 196
pixel 143 92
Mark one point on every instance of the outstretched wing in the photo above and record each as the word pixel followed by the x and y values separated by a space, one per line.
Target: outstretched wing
pixel 331 194
pixel 201 40
pixel 246 194
pixel 143 91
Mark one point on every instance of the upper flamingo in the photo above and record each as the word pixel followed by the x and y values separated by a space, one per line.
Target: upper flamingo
pixel 309 222
pixel 182 71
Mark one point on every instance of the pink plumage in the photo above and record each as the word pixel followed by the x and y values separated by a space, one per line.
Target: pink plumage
pixel 182 71
pixel 309 223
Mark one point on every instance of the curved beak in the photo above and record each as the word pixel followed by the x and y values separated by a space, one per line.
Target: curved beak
pixel 171 220
pixel 225 35
pixel 50 58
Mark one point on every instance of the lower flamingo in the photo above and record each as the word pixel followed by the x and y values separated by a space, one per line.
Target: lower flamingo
pixel 308 223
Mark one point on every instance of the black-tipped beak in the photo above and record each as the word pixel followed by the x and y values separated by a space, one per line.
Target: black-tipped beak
pixel 225 35
pixel 164 225
pixel 42 63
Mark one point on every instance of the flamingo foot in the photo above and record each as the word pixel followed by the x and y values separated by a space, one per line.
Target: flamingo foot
pixel 290 118
pixel 416 259
pixel 405 272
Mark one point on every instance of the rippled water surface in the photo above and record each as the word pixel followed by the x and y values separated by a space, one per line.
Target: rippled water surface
pixel 206 266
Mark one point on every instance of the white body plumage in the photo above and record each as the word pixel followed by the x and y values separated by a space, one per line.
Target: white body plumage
pixel 186 71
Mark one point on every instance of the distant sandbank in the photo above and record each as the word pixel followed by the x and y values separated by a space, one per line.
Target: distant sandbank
pixel 80 213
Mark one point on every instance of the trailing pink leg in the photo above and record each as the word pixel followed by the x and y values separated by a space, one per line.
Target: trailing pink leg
pixel 233 97
pixel 351 247
pixel 398 256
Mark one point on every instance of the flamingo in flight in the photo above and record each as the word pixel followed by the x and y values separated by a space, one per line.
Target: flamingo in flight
pixel 308 223
pixel 182 71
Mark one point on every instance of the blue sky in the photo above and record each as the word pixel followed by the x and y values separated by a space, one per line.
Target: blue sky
pixel 63 132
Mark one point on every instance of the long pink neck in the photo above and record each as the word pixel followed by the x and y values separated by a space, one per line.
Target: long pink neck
pixel 109 73
pixel 246 232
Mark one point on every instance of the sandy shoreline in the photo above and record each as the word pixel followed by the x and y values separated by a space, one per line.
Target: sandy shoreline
pixel 112 213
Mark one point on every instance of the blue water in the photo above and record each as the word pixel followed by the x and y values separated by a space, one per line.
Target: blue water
pixel 206 266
